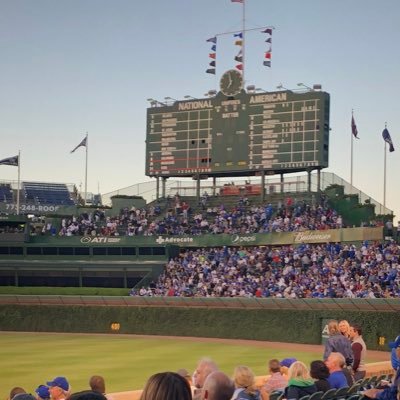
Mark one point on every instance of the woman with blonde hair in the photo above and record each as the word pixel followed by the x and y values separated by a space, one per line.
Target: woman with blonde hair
pixel 344 328
pixel 244 381
pixel 300 382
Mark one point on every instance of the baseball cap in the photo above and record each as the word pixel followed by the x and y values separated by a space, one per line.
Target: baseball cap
pixel 287 362
pixel 43 392
pixel 60 382
pixel 395 344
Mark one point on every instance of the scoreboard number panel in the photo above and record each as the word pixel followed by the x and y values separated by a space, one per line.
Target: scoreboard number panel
pixel 243 134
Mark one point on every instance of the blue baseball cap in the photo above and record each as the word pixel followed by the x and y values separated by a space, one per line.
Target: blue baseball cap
pixel 43 392
pixel 395 344
pixel 60 382
pixel 287 362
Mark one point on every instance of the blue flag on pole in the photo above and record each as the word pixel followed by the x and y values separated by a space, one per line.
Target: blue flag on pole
pixel 14 161
pixel 388 139
pixel 354 129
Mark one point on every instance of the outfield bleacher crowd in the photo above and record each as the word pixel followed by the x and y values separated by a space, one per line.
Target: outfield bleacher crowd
pixel 332 270
pixel 178 218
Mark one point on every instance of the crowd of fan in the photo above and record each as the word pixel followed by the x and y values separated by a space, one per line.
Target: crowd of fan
pixel 339 270
pixel 179 219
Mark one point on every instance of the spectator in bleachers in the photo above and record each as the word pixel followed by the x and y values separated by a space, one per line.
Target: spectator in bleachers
pixel 338 343
pixel 299 382
pixel 59 388
pixel 166 386
pixel 335 363
pixel 98 384
pixel 328 270
pixel 42 392
pixel 359 351
pixel 244 381
pixel 16 391
pixel 217 386
pixel 276 381
pixel 320 373
pixel 344 328
pixel 204 368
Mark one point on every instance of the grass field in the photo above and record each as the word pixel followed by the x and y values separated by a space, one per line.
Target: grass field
pixel 30 359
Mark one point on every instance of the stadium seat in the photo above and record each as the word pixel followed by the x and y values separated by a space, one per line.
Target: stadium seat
pixel 305 397
pixel 355 396
pixel 329 394
pixel 316 396
pixel 42 193
pixel 276 395
pixel 353 389
pixel 341 393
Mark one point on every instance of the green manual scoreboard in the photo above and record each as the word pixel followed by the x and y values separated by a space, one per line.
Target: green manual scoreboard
pixel 244 134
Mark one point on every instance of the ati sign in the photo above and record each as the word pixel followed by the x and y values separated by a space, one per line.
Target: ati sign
pixel 99 240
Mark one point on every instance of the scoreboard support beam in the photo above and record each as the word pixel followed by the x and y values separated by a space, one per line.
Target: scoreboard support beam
pixel 163 191
pixel 309 180
pixel 214 185
pixel 282 182
pixel 318 180
pixel 262 186
pixel 157 187
pixel 198 188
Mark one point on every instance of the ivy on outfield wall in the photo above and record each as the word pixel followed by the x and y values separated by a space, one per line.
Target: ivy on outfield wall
pixel 272 325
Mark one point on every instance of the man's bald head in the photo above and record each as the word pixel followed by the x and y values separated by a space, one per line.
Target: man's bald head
pixel 217 386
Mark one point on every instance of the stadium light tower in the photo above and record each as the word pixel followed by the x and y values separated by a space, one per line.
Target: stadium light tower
pixel 170 99
pixel 280 86
pixel 155 103
pixel 253 89
pixel 210 93
pixel 305 86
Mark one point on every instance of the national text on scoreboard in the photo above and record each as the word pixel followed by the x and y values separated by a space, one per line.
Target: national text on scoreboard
pixel 274 132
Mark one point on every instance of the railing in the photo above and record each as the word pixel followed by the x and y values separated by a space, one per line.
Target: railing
pixel 379 305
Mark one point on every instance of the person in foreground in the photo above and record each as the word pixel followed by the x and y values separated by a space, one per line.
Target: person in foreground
pixel 388 392
pixel 300 383
pixel 243 378
pixel 217 386
pixel 320 372
pixel 337 378
pixel 166 386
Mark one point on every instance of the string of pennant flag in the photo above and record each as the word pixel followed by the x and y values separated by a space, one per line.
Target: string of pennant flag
pixel 238 41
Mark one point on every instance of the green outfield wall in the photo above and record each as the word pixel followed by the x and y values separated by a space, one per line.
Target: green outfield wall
pixel 284 325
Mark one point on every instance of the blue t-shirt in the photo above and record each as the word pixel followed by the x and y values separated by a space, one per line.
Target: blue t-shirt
pixel 337 380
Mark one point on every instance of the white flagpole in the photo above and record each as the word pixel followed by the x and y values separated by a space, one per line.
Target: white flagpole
pixel 86 167
pixel 243 40
pixel 19 180
pixel 351 158
pixel 384 174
